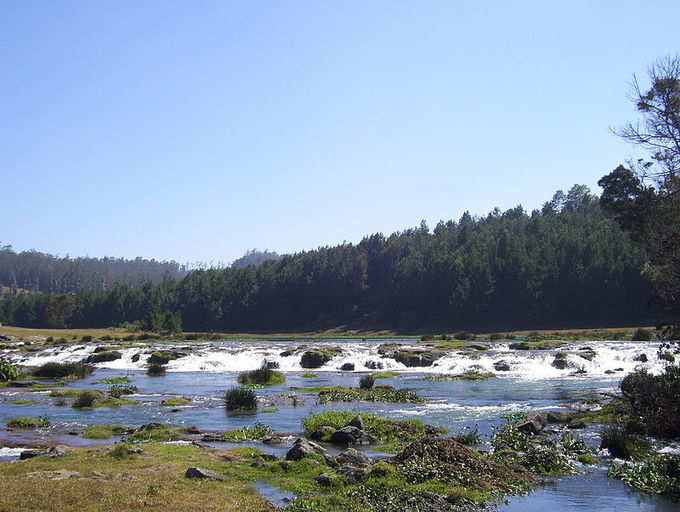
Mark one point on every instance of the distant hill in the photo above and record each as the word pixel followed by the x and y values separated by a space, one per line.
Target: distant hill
pixel 33 271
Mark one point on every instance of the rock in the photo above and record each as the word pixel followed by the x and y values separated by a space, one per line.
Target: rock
pixel 478 346
pixel 574 425
pixel 212 437
pixel 352 457
pixel 353 475
pixel 374 365
pixel 301 448
pixel 636 427
pixel 97 475
pixel 618 369
pixel 351 435
pixel 162 357
pixel 357 422
pixel 285 465
pixel 561 416
pixel 642 358
pixel 257 464
pixel 272 440
pixel 102 357
pixel 29 454
pixel 59 474
pixel 323 479
pixel 322 432
pixel 347 367
pixel 21 383
pixel 202 473
pixel 135 358
pixel 417 358
pixel 533 424
pixel 192 430
pixel 609 372
pixel 560 362
pixel 314 359
pixel 588 354
pixel 501 366
pixel 58 451
pixel 272 365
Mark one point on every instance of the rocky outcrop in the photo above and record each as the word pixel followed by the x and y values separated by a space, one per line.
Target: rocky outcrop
pixel 202 473
pixel 352 457
pixel 164 357
pixel 642 358
pixel 560 362
pixel 322 433
pixel 319 357
pixel 374 365
pixel 532 424
pixel 352 435
pixel 417 357
pixel 501 366
pixel 302 448
pixel 102 357
pixel 347 367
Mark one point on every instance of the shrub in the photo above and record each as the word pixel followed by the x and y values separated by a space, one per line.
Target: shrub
pixel 642 335
pixel 63 370
pixel 26 422
pixel 263 376
pixel 83 400
pixel 366 382
pixel 240 399
pixel 118 390
pixel 464 336
pixel 86 339
pixel 655 399
pixel 155 370
pixel 8 370
pixel 623 445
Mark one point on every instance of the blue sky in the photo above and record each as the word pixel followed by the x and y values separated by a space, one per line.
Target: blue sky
pixel 197 130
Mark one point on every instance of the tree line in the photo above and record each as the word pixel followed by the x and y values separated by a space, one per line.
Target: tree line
pixel 567 264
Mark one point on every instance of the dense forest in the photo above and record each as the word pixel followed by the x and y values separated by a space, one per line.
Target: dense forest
pixel 33 271
pixel 567 264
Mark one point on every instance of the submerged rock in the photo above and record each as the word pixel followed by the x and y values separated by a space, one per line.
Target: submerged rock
pixel 374 365
pixel 642 358
pixel 501 366
pixel 102 357
pixel 347 367
pixel 560 362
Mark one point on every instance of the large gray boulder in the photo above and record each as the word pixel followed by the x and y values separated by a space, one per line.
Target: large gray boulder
pixel 352 457
pixel 501 366
pixel 561 416
pixel 352 435
pixel 202 473
pixel 302 448
pixel 532 424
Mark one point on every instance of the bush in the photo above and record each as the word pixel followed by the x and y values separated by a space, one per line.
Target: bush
pixel 655 399
pixel 155 370
pixel 240 399
pixel 63 370
pixel 8 370
pixel 86 339
pixel 623 445
pixel 642 335
pixel 83 400
pixel 464 336
pixel 366 382
pixel 263 376
pixel 118 390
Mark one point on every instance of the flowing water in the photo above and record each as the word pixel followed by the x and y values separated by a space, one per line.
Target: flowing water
pixel 208 369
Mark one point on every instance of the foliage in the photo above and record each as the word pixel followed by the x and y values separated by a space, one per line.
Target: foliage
pixel 240 399
pixel 374 394
pixel 8 370
pixel 366 381
pixel 103 431
pixel 460 273
pixel 623 445
pixel 656 474
pixel 642 335
pixel 655 399
pixel 310 375
pixel 118 390
pixel 254 433
pixel 28 423
pixel 468 375
pixel 114 380
pixel 176 402
pixel 63 370
pixel 385 375
pixel 155 370
pixel 84 400
pixel 509 437
pixel 263 376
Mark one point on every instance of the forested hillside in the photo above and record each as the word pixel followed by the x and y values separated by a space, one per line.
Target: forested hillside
pixel 564 265
pixel 32 271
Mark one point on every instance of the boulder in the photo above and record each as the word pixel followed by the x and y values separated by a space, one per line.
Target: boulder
pixel 642 358
pixel 272 365
pixel 353 475
pixel 162 357
pixel 560 416
pixel 588 354
pixel 322 433
pixel 357 422
pixel 314 359
pixel 417 358
pixel 532 424
pixel 202 473
pixel 301 448
pixel 135 358
pixel 352 457
pixel 102 357
pixel 323 479
pixel 58 451
pixel 560 362
pixel 351 435
pixel 347 367
pixel 374 365
pixel 29 454
pixel 501 366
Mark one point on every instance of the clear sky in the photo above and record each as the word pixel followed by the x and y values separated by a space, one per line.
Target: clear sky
pixel 195 130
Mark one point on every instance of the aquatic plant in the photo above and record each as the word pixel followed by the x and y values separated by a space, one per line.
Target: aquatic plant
pixel 375 394
pixel 240 399
pixel 263 376
pixel 656 474
pixel 118 390
pixel 28 422
pixel 366 381
pixel 255 433
pixel 103 431
pixel 114 380
pixel 8 370
pixel 623 445
pixel 63 371
pixel 84 400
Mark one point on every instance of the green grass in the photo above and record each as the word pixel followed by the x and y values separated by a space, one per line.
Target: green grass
pixel 374 394
pixel 273 409
pixel 28 422
pixel 114 402
pixel 261 377
pixel 310 375
pixel 385 375
pixel 115 380
pixel 254 433
pixel 469 375
pixel 176 402
pixel 103 431
pixel 22 402
pixel 73 392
